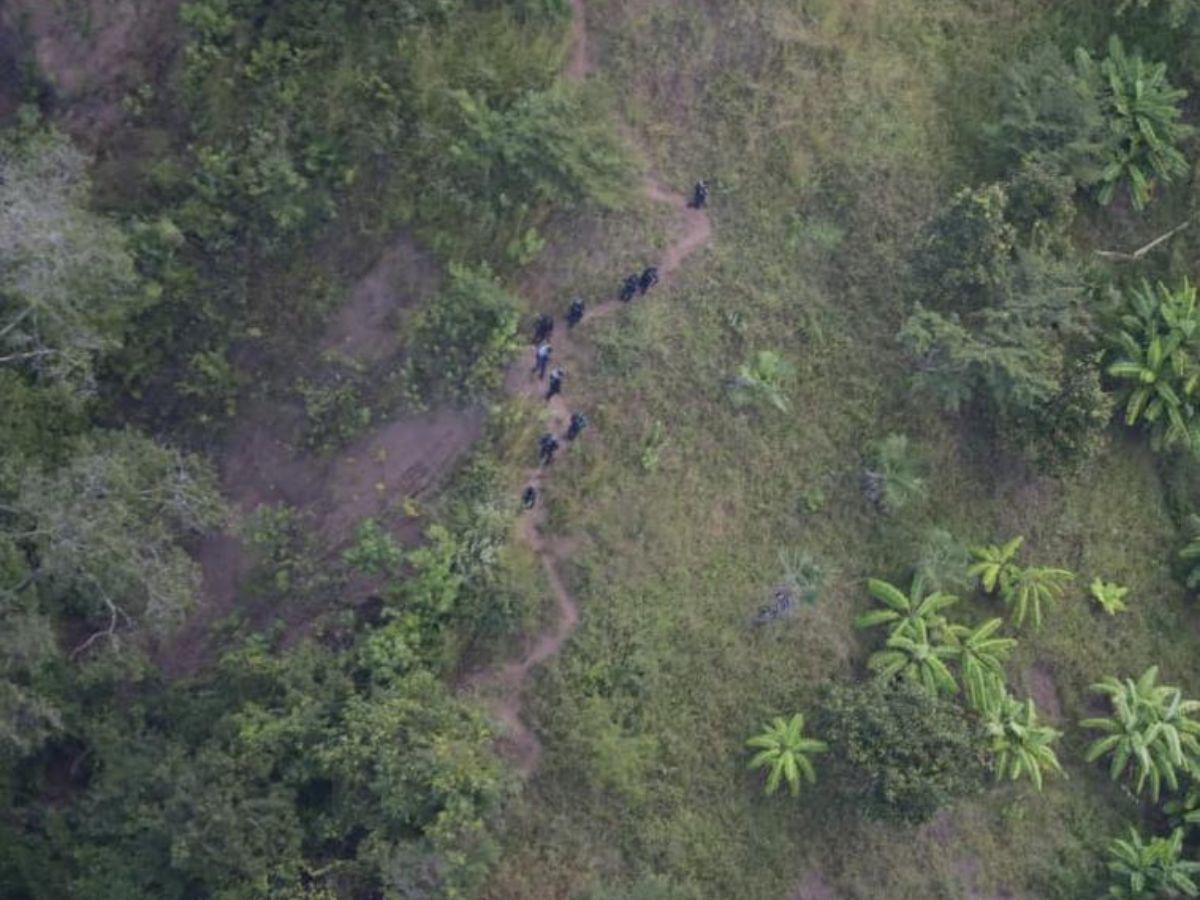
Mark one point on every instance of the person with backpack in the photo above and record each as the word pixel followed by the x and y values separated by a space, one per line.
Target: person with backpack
pixel 629 289
pixel 543 327
pixel 699 195
pixel 648 279
pixel 529 498
pixel 541 359
pixel 578 423
pixel 575 312
pixel 556 383
pixel 547 446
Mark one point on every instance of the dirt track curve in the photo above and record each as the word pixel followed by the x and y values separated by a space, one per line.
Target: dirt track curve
pixel 504 687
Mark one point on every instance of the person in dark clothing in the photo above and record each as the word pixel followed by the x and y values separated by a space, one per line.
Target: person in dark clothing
pixel 575 312
pixel 630 288
pixel 578 423
pixel 541 358
pixel 543 327
pixel 699 195
pixel 529 498
pixel 649 278
pixel 556 383
pixel 547 446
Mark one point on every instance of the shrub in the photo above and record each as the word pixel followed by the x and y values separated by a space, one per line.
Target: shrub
pixel 898 750
pixel 461 342
pixel 895 477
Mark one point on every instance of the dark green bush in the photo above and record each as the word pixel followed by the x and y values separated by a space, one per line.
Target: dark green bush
pixel 898 751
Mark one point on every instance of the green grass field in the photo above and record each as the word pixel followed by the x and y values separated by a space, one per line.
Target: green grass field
pixel 831 131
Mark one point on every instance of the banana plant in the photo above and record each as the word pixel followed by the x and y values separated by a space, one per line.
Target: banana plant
pixel 900 609
pixel 784 752
pixel 994 564
pixel 1151 732
pixel 1020 746
pixel 981 657
pixel 1110 595
pixel 1150 869
pixel 911 654
pixel 1032 586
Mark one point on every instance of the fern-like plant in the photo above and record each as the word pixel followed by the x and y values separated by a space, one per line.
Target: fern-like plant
pixel 783 750
pixel 1151 732
pixel 895 478
pixel 1110 595
pixel 1143 116
pixel 1021 747
pixel 762 380
pixel 981 657
pixel 1149 869
pixel 1154 356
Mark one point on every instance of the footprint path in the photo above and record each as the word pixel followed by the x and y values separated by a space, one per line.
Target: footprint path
pixel 503 687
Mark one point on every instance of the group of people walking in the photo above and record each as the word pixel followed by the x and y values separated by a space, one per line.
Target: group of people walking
pixel 543 328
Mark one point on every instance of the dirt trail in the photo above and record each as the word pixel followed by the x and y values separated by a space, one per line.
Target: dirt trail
pixel 503 688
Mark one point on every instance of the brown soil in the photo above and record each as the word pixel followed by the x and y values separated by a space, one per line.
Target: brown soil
pixel 94 52
pixel 1038 683
pixel 813 886
pixel 503 688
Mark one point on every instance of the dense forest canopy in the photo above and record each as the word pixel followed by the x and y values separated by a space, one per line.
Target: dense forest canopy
pixel 854 554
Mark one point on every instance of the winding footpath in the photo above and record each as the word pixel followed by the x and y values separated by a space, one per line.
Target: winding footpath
pixel 503 688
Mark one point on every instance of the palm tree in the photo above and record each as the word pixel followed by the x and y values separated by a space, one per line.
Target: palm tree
pixel 994 564
pixel 910 654
pixel 981 660
pixel 1142 111
pixel 762 379
pixel 1110 595
pixel 1021 746
pixel 1151 868
pixel 1032 586
pixel 784 751
pixel 1151 730
pixel 1154 352
pixel 901 610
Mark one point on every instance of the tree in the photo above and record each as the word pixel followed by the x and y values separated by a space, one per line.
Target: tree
pixel 1020 746
pixel 67 281
pixel 895 476
pixel 899 752
pixel 1032 586
pixel 995 566
pixel 981 657
pixel 101 535
pixel 1109 594
pixel 1154 357
pixel 1153 868
pixel 762 380
pixel 784 752
pixel 1142 113
pixel 1151 731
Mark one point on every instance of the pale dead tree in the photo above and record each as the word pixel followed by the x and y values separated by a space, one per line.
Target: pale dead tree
pixel 67 281
pixel 1118 256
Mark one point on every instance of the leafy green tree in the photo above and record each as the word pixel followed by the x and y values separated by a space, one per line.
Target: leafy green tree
pixel 1109 594
pixel 1154 357
pixel 981 657
pixel 895 477
pixel 784 751
pixel 1151 731
pixel 1142 113
pixel 902 610
pixel 762 380
pixel 1190 554
pixel 68 281
pixel 1033 586
pixel 1177 11
pixel 1151 868
pixel 1020 746
pixel 102 534
pixel 899 752
pixel 995 565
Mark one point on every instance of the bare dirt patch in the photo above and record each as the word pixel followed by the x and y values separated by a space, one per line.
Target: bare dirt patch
pixel 93 52
pixel 813 886
pixel 1038 682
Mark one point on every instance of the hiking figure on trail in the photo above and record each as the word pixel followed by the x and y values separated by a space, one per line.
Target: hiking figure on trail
pixel 556 380
pixel 649 278
pixel 543 327
pixel 529 498
pixel 578 423
pixel 630 288
pixel 575 312
pixel 699 195
pixel 541 359
pixel 547 445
